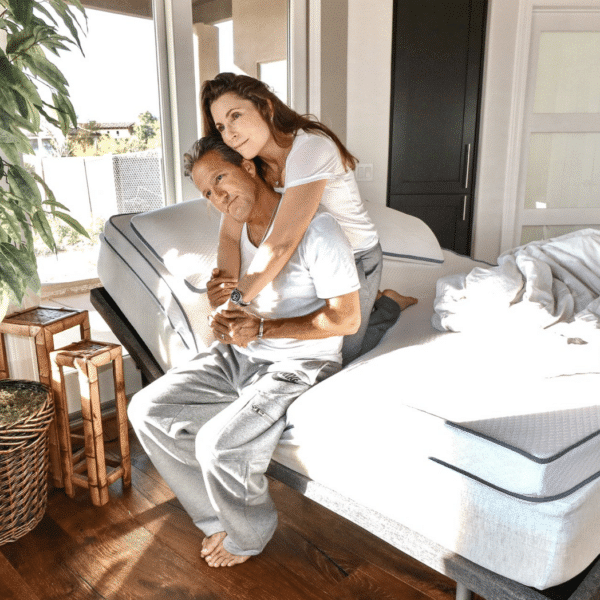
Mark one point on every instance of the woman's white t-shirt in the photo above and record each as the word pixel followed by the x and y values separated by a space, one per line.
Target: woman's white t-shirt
pixel 314 157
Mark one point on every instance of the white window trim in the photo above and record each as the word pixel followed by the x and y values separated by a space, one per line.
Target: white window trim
pixel 177 92
pixel 297 55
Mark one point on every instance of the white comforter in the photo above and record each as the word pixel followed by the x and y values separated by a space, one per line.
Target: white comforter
pixel 553 283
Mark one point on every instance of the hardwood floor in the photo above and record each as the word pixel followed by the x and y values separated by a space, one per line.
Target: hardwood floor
pixel 142 545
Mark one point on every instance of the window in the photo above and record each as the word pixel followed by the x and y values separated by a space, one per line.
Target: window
pixel 560 181
pixel 274 74
pixel 104 183
pixel 97 172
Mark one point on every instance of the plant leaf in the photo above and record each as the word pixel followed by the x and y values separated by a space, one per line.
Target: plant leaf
pixel 13 135
pixel 41 225
pixel 19 40
pixel 48 116
pixel 22 259
pixel 21 103
pixel 25 225
pixel 19 203
pixel 19 268
pixel 11 222
pixel 17 80
pixel 9 277
pixel 72 222
pixel 65 14
pixel 23 184
pixel 39 7
pixel 51 199
pixel 22 10
pixel 9 147
pixel 42 67
pixel 62 102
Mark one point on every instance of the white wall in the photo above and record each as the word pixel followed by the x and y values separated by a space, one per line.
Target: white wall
pixel 369 84
pixel 259 33
pixel 206 58
pixel 333 71
pixel 500 96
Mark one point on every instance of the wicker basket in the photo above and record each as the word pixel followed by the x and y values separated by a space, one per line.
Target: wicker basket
pixel 24 467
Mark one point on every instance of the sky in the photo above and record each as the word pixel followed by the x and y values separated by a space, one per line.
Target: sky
pixel 117 78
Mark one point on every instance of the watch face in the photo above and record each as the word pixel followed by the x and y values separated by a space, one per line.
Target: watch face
pixel 236 296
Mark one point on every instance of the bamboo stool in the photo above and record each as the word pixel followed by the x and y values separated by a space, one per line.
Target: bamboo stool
pixel 88 467
pixel 43 323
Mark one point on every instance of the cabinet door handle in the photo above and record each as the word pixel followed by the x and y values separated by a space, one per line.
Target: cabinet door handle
pixel 467 165
pixel 464 208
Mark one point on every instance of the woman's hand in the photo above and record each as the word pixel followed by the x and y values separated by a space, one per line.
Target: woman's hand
pixel 219 288
pixel 233 325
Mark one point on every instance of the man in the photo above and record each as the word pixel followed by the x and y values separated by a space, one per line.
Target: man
pixel 211 426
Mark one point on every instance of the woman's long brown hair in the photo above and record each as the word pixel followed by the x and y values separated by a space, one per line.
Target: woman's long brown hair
pixel 283 123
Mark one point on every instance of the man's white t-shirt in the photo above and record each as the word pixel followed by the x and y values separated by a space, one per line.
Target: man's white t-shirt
pixel 322 267
pixel 314 157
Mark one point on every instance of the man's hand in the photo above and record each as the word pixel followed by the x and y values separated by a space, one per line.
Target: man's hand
pixel 219 288
pixel 233 325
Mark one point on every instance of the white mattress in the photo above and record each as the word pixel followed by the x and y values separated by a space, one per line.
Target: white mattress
pixel 473 445
pixel 488 453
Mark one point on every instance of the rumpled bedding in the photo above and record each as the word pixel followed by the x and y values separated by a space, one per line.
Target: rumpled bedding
pixel 544 284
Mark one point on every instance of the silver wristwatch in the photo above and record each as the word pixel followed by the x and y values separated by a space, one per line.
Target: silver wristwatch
pixel 236 298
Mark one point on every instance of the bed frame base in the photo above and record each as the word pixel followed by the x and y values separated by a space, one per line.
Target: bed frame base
pixel 462 593
pixel 470 577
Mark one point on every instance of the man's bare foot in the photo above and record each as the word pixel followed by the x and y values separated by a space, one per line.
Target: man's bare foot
pixel 210 543
pixel 215 554
pixel 403 301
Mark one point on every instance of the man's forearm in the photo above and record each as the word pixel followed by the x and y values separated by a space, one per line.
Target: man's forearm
pixel 321 324
pixel 339 316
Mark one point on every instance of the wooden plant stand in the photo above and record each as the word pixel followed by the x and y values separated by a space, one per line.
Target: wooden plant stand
pixel 43 323
pixel 88 467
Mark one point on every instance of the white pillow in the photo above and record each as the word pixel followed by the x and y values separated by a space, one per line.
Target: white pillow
pixel 184 237
pixel 404 237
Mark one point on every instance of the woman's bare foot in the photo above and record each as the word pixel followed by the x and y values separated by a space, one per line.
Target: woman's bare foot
pixel 402 301
pixel 214 552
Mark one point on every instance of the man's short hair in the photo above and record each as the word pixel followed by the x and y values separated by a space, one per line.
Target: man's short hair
pixel 209 143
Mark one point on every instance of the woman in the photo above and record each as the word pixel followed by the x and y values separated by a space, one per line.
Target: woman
pixel 306 162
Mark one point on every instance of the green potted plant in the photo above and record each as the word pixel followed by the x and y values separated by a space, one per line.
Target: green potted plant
pixel 32 89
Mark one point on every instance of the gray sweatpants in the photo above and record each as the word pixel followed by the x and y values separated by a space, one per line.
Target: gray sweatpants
pixel 210 427
pixel 376 316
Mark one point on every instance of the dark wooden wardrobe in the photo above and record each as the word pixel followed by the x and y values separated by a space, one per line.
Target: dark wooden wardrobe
pixel 436 90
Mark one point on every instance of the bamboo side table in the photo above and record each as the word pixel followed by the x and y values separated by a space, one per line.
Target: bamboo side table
pixel 88 467
pixel 43 323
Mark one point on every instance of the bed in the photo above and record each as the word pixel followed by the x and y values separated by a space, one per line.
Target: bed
pixel 476 452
